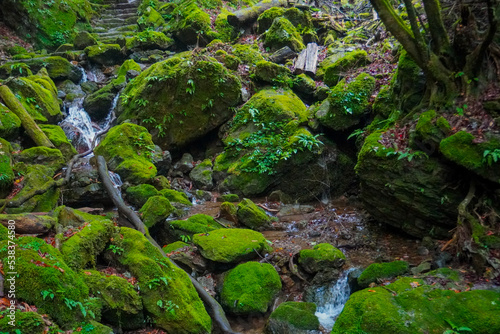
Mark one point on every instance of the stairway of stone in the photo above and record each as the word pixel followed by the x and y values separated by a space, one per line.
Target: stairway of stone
pixel 117 21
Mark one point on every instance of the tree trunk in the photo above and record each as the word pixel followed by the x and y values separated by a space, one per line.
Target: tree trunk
pixel 248 15
pixel 28 123
pixel 30 223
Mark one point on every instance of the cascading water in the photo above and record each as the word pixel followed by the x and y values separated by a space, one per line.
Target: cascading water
pixel 330 300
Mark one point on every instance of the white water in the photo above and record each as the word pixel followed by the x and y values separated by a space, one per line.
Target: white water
pixel 330 300
pixel 117 181
pixel 78 126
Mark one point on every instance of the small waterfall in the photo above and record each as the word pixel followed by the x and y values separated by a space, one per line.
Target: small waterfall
pixel 84 75
pixel 330 300
pixel 78 126
pixel 117 181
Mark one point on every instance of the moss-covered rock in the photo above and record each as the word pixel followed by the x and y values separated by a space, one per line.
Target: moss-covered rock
pixel 25 322
pixel 156 209
pixel 268 72
pixel 248 53
pixel 167 293
pixel 196 96
pixel 122 305
pixel 347 103
pixel 387 270
pixel 407 307
pixel 228 211
pixel 293 317
pixel 81 249
pixel 150 20
pixel 176 196
pixel 480 158
pixel 421 199
pixel 230 61
pixel 230 198
pixel 128 150
pixel 176 230
pixel 98 104
pixel 34 178
pixel 250 288
pixel 266 19
pixel 201 175
pixel 384 103
pixel 351 60
pixel 9 123
pixel 41 155
pixel 105 54
pixel 250 215
pixel 174 246
pixel 322 256
pixel 304 85
pixel 58 68
pixel 230 245
pixel 149 40
pixel 282 33
pixel 6 172
pixel 57 136
pixel 408 83
pixel 139 195
pixel 49 286
pixel 83 39
pixel 226 32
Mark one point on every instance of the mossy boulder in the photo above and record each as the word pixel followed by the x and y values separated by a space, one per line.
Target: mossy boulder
pixel 481 158
pixel 174 246
pixel 181 310
pixel 25 322
pixel 378 271
pixel 99 103
pixel 293 317
pixel 105 54
pixel 176 196
pixel 304 85
pixel 228 211
pixel 230 198
pixel 384 103
pixel 319 258
pixel 127 148
pixel 230 61
pixel 429 131
pixel 81 249
pixel 230 245
pixel 266 19
pixel 34 178
pixel 226 32
pixel 347 103
pixel 282 33
pixel 54 276
pixel 57 136
pixel 250 288
pixel 248 53
pixel 155 210
pixel 150 20
pixel 122 305
pixel 41 155
pixel 9 123
pixel 351 60
pixel 268 72
pixel 407 306
pixel 6 172
pixel 201 175
pixel 149 40
pixel 139 195
pixel 418 196
pixel 196 96
pixel 250 215
pixel 408 83
pixel 176 230
pixel 83 39
pixel 56 67
pixel 38 96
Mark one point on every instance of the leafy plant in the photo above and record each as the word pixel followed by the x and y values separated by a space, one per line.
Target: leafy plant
pixel 168 306
pixel 47 293
pixel 185 238
pixel 142 102
pixel 190 87
pixel 116 249
pixel 356 133
pixel 407 154
pixel 491 156
pixel 70 303
pixel 19 67
pixel 460 110
pixel 456 329
pixel 156 282
pixel 309 142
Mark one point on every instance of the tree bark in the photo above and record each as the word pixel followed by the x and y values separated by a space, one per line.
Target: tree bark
pixel 28 123
pixel 248 15
pixel 311 59
pixel 215 309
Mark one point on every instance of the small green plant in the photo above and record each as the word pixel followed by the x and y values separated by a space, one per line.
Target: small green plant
pixel 309 142
pixel 142 102
pixel 168 306
pixel 70 303
pixel 19 67
pixel 356 133
pixel 456 329
pixel 491 156
pixel 190 87
pixel 47 293
pixel 185 238
pixel 125 98
pixel 30 100
pixel 407 154
pixel 116 249
pixel 460 110
pixel 156 282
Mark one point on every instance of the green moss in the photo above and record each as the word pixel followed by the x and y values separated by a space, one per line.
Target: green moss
pixel 230 245
pixel 230 61
pixel 250 288
pixel 294 316
pixel 299 18
pixel 347 103
pixel 174 246
pixel 384 103
pixel 320 257
pixel 282 33
pixel 228 211
pixel 266 19
pixel 6 172
pixel 139 195
pixel 4 233
pixel 57 136
pixel 268 72
pixel 201 175
pixel 386 270
pixel 195 98
pixel 121 302
pixel 83 39
pixel 198 223
pixel 25 322
pixel 460 149
pixel 9 123
pixel 304 84
pixel 159 280
pixel 230 198
pixel 227 32
pixel 133 144
pixel 150 19
pixel 128 65
pixel 56 67
pixel 149 40
pixel 105 54
pixel 54 276
pixel 175 196
pixel 156 209
pixel 445 273
pixel 41 155
pixel 252 216
pixel 248 53
pixel 81 249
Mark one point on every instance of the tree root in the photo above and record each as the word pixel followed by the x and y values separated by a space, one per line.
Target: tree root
pixel 214 308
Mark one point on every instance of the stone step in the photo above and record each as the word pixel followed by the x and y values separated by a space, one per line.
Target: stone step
pixel 119 11
pixel 118 15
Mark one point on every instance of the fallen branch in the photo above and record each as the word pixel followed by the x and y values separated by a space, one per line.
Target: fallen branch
pixel 250 14
pixel 215 310
pixel 29 223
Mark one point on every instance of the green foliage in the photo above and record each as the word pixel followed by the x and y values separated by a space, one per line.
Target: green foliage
pixel 491 156
pixel 19 67
pixel 408 154
pixel 185 238
pixel 190 87
pixel 116 249
pixel 456 329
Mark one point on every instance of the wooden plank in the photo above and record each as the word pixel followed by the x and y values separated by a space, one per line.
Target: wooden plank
pixel 311 62
pixel 300 62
